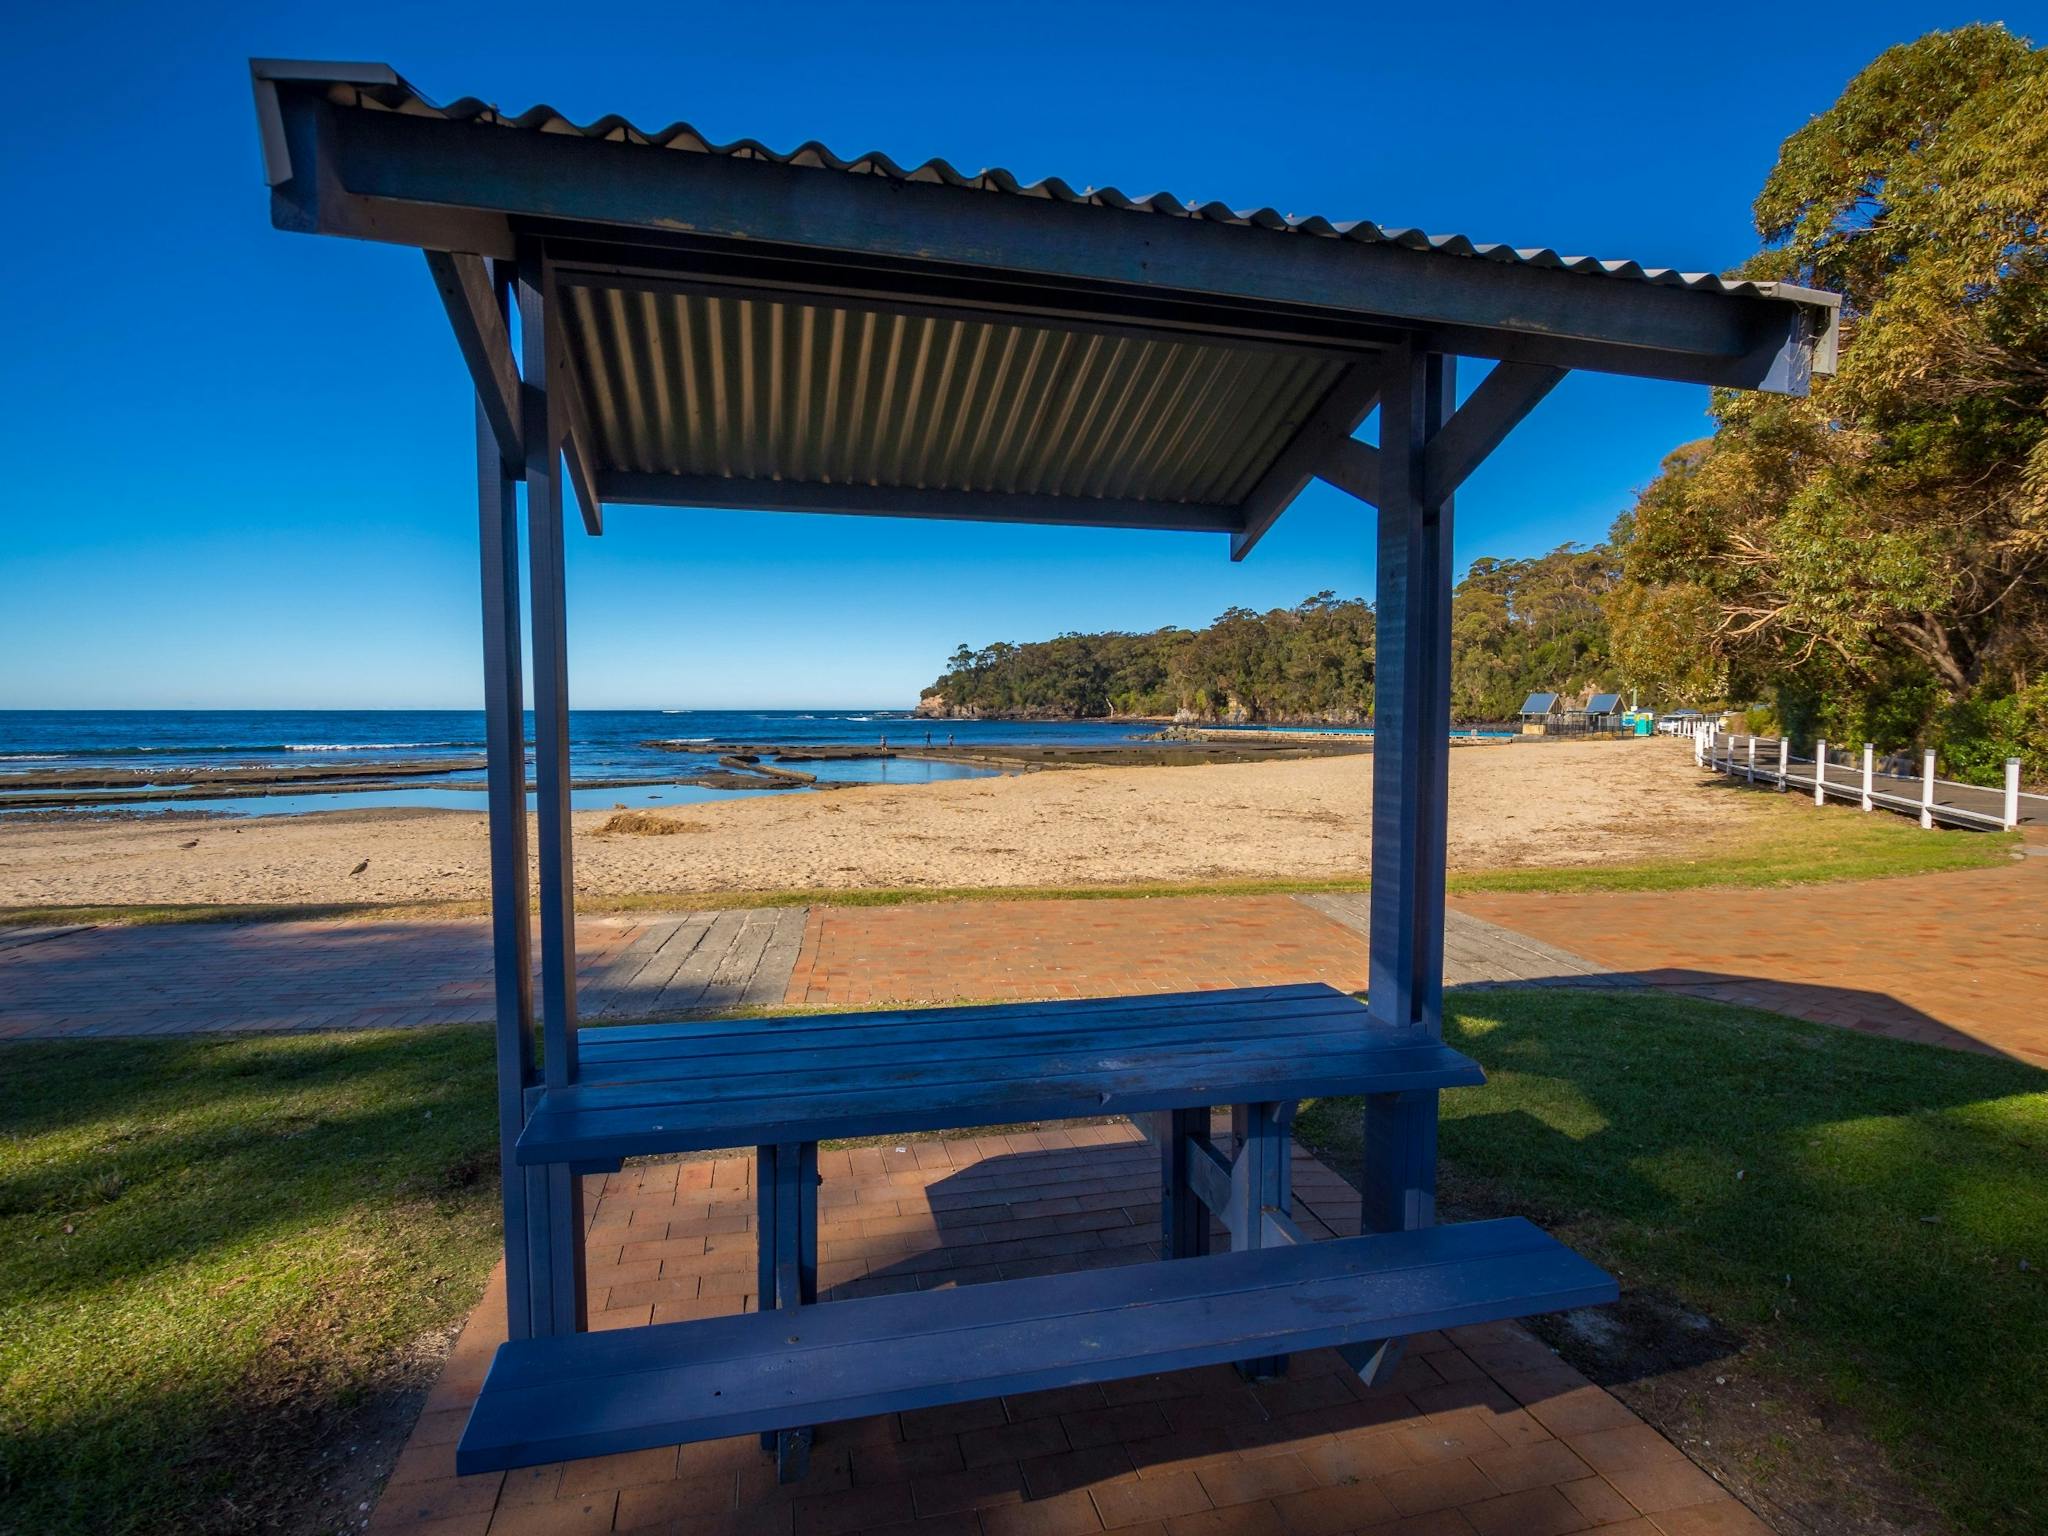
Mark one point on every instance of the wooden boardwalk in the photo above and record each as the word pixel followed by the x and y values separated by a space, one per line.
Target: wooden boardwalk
pixel 696 963
pixel 1483 954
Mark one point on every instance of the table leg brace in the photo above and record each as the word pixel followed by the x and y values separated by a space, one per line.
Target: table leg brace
pixel 786 1224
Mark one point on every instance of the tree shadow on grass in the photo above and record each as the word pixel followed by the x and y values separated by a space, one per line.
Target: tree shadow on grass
pixel 214 1249
pixel 1861 1009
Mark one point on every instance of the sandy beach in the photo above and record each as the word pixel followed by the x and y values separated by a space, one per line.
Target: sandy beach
pixel 1552 804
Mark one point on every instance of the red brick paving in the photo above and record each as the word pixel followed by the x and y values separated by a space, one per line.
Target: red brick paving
pixel 986 951
pixel 1483 1432
pixel 1955 959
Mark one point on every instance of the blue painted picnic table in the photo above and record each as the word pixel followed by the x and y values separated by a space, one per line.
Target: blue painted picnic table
pixel 783 1085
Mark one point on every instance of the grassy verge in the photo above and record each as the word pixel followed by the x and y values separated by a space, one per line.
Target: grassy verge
pixel 214 1255
pixel 145 914
pixel 1803 848
pixel 1858 1210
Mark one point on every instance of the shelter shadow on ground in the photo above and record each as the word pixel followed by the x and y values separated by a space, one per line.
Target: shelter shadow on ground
pixel 1484 1421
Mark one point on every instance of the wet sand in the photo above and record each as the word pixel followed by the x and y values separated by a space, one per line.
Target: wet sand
pixel 1549 804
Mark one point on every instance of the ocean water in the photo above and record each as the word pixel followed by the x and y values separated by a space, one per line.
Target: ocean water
pixel 603 744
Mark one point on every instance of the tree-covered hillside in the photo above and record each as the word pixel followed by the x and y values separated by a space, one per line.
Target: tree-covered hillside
pixel 1517 626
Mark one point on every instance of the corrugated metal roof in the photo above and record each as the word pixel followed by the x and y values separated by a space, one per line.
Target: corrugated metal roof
pixel 745 389
pixel 396 95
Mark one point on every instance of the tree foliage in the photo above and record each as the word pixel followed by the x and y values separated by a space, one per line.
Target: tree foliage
pixel 1311 661
pixel 1875 558
pixel 1516 626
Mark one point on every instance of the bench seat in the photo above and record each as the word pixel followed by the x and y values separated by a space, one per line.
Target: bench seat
pixel 666 1088
pixel 592 1394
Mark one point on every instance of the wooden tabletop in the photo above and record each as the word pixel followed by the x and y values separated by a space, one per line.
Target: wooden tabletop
pixel 661 1088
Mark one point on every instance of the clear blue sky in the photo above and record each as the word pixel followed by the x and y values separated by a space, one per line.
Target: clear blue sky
pixel 239 467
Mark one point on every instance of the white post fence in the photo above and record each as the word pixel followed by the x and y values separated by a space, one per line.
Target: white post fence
pixel 1968 805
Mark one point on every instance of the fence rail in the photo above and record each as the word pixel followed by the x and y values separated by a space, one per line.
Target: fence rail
pixel 1871 782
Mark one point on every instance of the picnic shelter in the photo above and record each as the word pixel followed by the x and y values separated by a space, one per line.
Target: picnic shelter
pixel 652 319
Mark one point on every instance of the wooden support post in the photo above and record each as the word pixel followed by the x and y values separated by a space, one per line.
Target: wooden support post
pixel 1752 759
pixel 505 815
pixel 1183 1218
pixel 1927 790
pixel 1869 766
pixel 541 424
pixel 1411 766
pixel 1260 1179
pixel 1820 773
pixel 1784 764
pixel 1411 726
pixel 2010 815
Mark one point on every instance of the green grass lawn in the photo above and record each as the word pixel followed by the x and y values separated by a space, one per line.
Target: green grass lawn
pixel 212 1253
pixel 1798 844
pixel 1856 1209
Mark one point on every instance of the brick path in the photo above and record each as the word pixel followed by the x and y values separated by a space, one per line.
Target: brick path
pixel 1483 1432
pixel 986 951
pixel 1953 959
pixel 999 951
pixel 100 982
pixel 187 979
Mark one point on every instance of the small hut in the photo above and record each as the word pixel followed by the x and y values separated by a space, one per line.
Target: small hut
pixel 1541 713
pixel 1603 712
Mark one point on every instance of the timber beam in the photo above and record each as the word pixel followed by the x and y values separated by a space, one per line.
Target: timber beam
pixel 1342 412
pixel 1479 426
pixel 1354 468
pixel 634 488
pixel 456 186
pixel 470 297
pixel 579 443
pixel 1460 446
